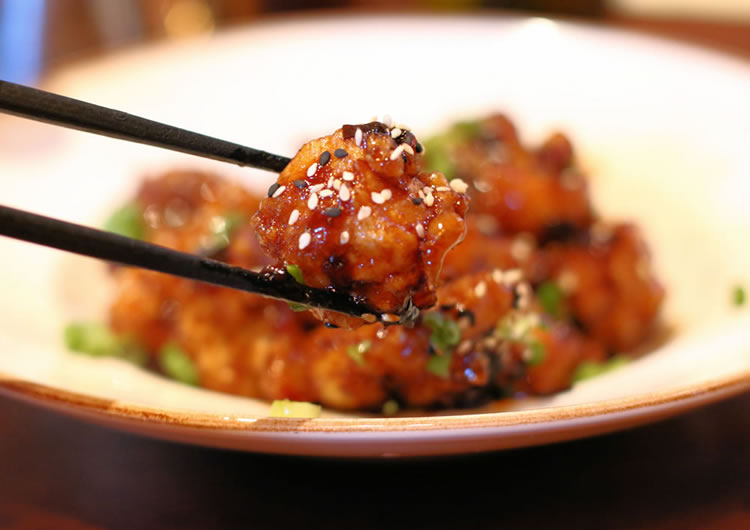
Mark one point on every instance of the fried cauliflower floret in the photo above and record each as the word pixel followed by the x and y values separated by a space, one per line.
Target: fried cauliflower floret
pixel 353 211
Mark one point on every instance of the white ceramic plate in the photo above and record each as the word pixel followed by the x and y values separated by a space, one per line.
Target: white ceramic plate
pixel 662 128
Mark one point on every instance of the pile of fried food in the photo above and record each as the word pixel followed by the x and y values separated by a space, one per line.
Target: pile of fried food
pixel 523 287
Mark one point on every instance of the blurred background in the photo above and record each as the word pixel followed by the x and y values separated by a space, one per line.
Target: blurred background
pixel 37 36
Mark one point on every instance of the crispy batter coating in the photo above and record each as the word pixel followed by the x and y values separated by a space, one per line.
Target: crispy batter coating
pixel 353 211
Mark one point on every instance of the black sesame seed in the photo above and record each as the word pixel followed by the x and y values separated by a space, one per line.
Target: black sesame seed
pixel 332 212
pixel 419 148
pixel 340 153
pixel 324 158
pixel 300 183
pixel 273 188
pixel 417 200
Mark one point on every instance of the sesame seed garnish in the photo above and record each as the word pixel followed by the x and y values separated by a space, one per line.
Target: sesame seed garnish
pixel 389 317
pixel 427 190
pixel 316 188
pixel 377 198
pixel 417 200
pixel 420 230
pixel 429 200
pixel 497 276
pixel 369 317
pixel 381 333
pixel 421 194
pixel 513 276
pixel 344 238
pixel 332 212
pixel 443 188
pixel 395 132
pixel 337 184
pixel 522 247
pixel 304 240
pixel 358 137
pixel 387 120
pixel 293 217
pixel 408 149
pixel 329 184
pixel 324 158
pixel 325 193
pixel 386 194
pixel 312 169
pixel 278 191
pixel 312 202
pixel 523 291
pixel 459 186
pixel 480 289
pixel 347 176
pixel 272 189
pixel 344 193
pixel 300 183
pixel 364 212
pixel 397 152
pixel 340 153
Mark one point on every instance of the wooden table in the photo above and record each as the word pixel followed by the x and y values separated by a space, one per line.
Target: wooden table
pixel 691 472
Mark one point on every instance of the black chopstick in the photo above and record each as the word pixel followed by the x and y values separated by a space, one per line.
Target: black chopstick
pixel 112 247
pixel 39 105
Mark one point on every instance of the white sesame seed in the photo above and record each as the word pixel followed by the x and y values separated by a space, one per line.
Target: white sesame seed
pixel 521 247
pixel 420 230
pixel 358 137
pixel 364 212
pixel 316 188
pixel 443 188
pixel 279 191
pixel 312 202
pixel 395 132
pixel 312 169
pixel 369 317
pixel 386 194
pixel 429 200
pixel 347 176
pixel 344 193
pixel 304 240
pixel 397 152
pixel 389 317
pixel 387 120
pixel 293 217
pixel 459 186
pixel 344 238
pixel 409 149
pixel 381 333
pixel 377 198
pixel 480 289
pixel 421 194
pixel 512 276
pixel 325 193
pixel 427 190
pixel 337 184
pixel 497 276
pixel 330 182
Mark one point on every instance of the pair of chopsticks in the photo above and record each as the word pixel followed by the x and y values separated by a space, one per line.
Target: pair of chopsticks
pixel 51 108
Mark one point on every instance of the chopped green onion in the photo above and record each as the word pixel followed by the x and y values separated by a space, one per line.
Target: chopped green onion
pixel 588 369
pixel 222 228
pixel 440 365
pixel 738 296
pixel 390 407
pixel 296 273
pixel 284 408
pixel 439 149
pixel 445 332
pixel 538 352
pixel 357 351
pixel 177 365
pixel 551 298
pixel 98 340
pixel 297 308
pixel 127 221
